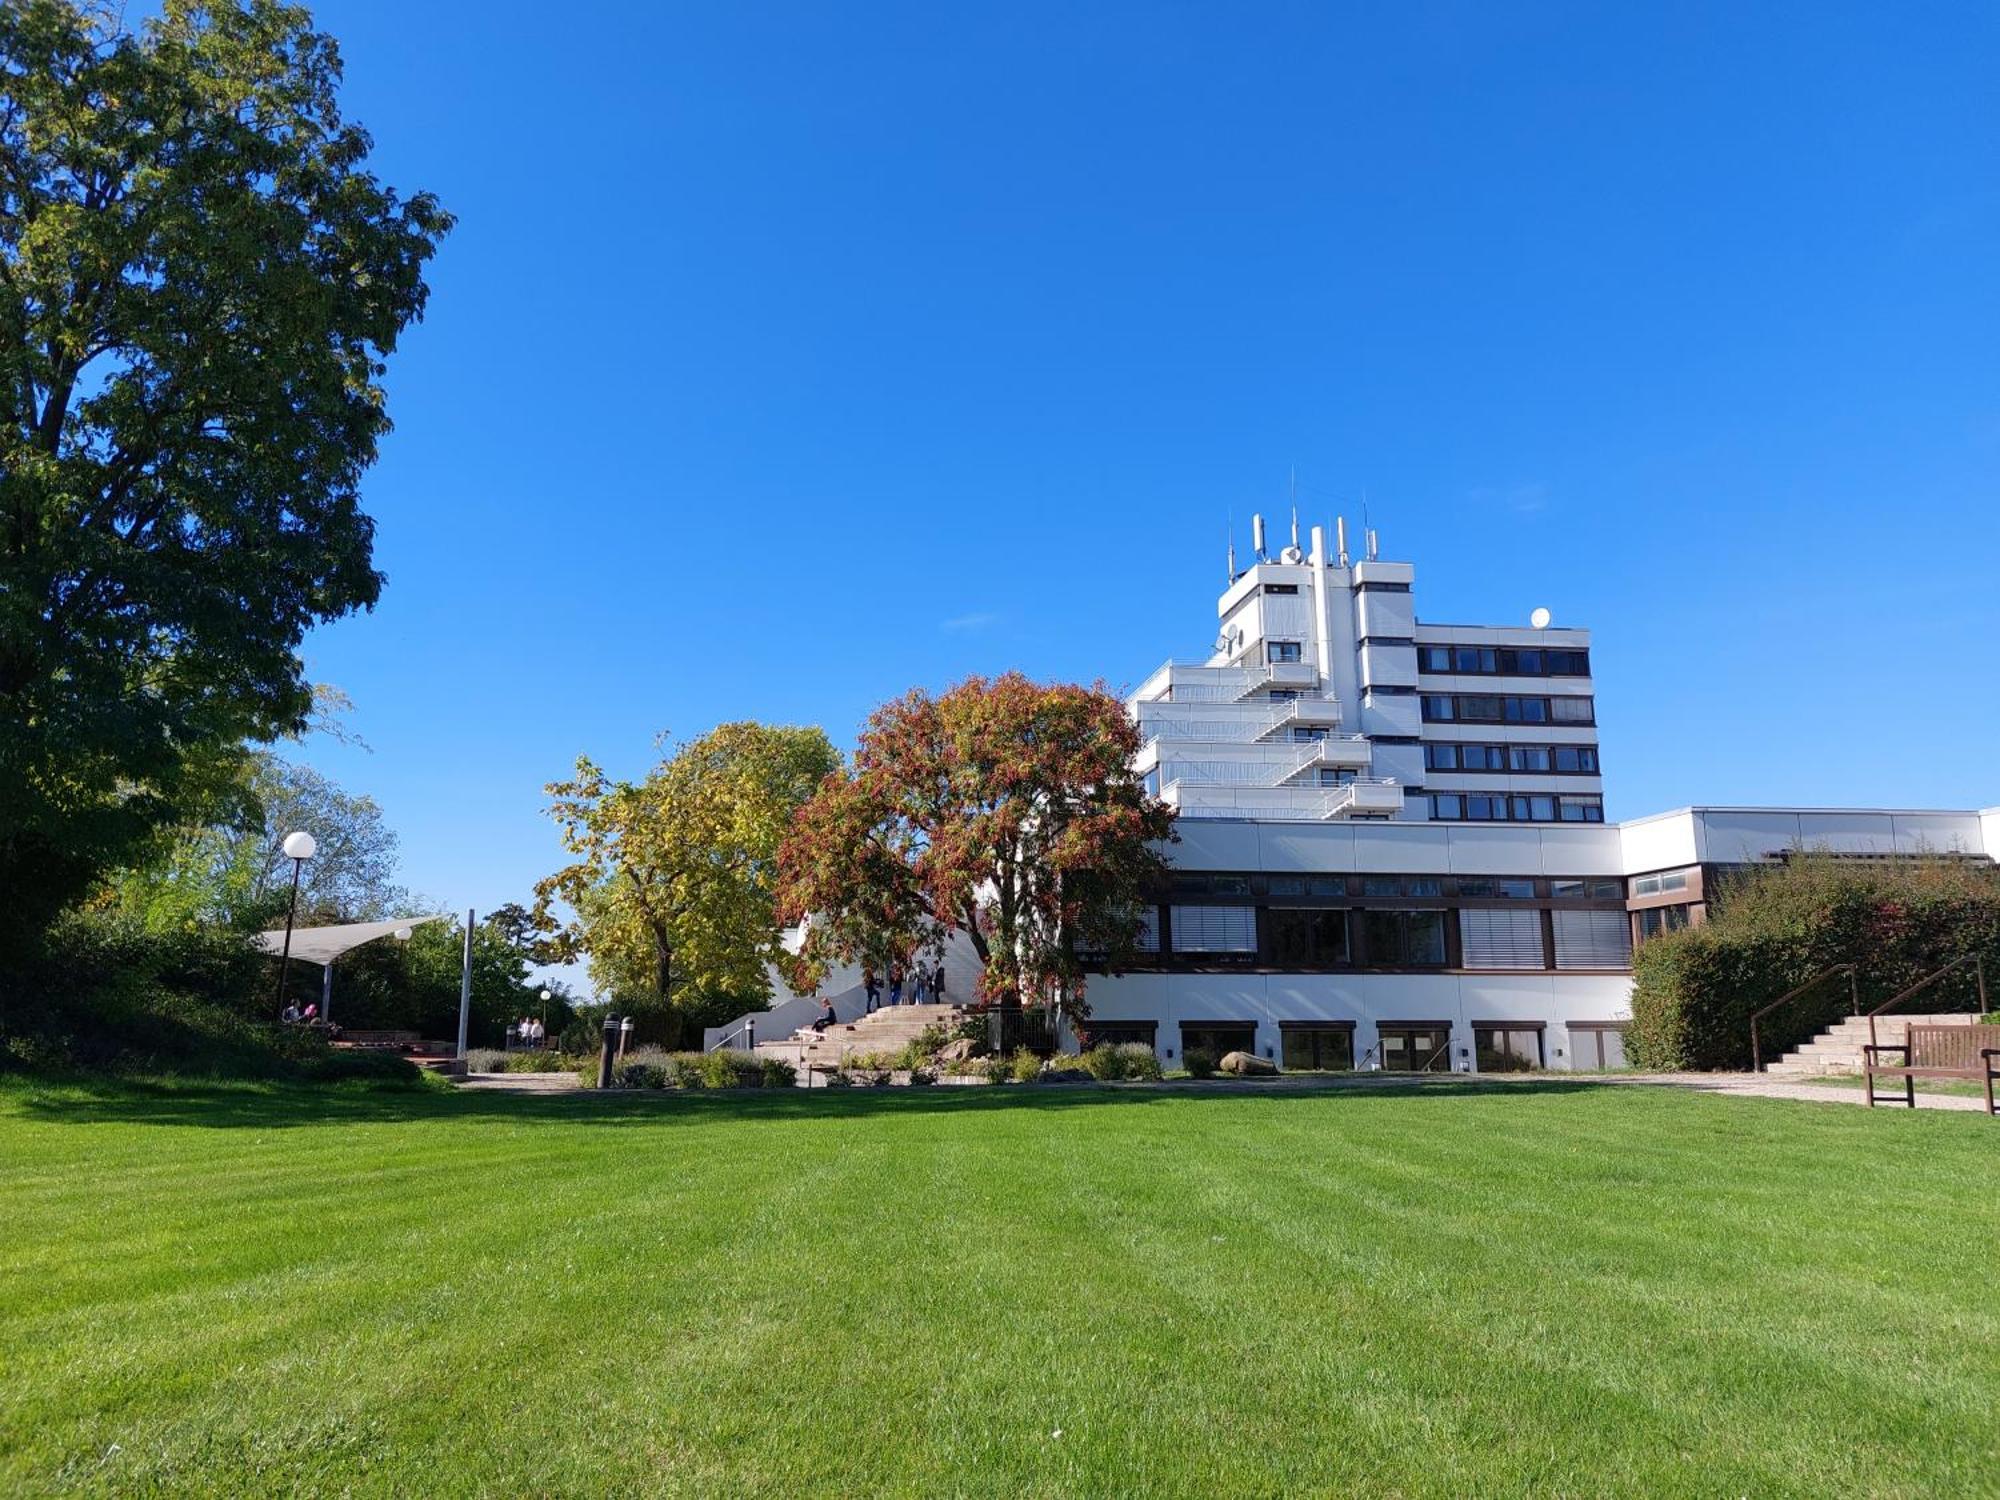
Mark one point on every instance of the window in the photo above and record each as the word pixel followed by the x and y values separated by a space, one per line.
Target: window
pixel 1148 937
pixel 1287 885
pixel 1505 661
pixel 1438 707
pixel 1336 775
pixel 1573 710
pixel 1595 1045
pixel 1281 650
pixel 1117 1033
pixel 1527 710
pixel 1588 890
pixel 1440 757
pixel 1580 758
pixel 1593 940
pixel 1151 781
pixel 1317 1049
pixel 1583 809
pixel 1434 658
pixel 1569 663
pixel 1483 757
pixel 1215 929
pixel 1482 808
pixel 1509 890
pixel 1529 758
pixel 1489 707
pixel 1655 920
pixel 1306 937
pixel 1474 659
pixel 1281 588
pixel 1405 939
pixel 1284 695
pixel 1533 809
pixel 1402 885
pixel 1654 885
pixel 1448 805
pixel 1416 1049
pixel 1305 734
pixel 1218 1038
pixel 1502 939
pixel 1522 663
pixel 1506 1048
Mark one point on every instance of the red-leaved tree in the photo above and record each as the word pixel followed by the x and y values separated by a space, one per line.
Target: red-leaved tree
pixel 1007 810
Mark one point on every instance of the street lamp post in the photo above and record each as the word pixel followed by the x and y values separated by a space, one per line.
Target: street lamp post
pixel 545 1011
pixel 299 847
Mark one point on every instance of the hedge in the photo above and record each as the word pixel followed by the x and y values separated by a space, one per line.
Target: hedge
pixel 1775 928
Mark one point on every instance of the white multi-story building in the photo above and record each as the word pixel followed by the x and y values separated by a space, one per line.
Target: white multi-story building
pixel 1325 699
pixel 1392 850
pixel 1392 841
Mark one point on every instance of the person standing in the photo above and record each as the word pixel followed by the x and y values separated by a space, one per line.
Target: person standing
pixel 895 987
pixel 937 983
pixel 873 987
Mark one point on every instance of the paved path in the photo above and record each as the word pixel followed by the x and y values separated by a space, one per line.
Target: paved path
pixel 522 1083
pixel 1757 1086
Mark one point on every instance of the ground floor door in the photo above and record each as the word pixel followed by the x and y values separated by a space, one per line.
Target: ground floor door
pixel 1416 1049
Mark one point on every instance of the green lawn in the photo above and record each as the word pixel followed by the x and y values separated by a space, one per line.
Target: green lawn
pixel 1573 1289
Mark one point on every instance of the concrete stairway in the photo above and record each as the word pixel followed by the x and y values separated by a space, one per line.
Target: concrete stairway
pixel 887 1030
pixel 1838 1049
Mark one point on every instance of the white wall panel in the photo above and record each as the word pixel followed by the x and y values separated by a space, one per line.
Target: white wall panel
pixel 1662 843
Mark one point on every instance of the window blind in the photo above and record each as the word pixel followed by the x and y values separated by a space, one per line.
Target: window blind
pixel 1593 940
pixel 1215 929
pixel 1501 939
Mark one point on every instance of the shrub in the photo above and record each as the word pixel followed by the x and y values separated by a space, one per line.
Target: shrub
pixel 1199 1063
pixel 1025 1066
pixel 1102 1063
pixel 779 1074
pixel 1779 926
pixel 542 1062
pixel 1138 1061
pixel 485 1060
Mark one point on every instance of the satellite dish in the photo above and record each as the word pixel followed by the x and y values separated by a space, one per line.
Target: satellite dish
pixel 1540 619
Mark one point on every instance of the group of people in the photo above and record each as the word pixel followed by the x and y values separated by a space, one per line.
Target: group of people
pixel 529 1032
pixel 293 1016
pixel 926 986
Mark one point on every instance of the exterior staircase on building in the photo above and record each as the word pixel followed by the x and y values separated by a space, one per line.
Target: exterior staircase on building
pixel 889 1029
pixel 1838 1049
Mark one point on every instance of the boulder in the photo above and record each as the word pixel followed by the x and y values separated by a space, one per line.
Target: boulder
pixel 1248 1065
pixel 958 1051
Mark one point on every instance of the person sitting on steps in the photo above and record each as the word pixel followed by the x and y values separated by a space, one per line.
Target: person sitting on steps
pixel 825 1018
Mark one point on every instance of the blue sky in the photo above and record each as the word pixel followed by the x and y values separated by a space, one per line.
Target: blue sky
pixel 786 356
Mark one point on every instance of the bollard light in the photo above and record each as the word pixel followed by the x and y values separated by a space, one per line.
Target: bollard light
pixel 298 847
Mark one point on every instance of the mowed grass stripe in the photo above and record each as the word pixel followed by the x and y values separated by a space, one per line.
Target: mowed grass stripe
pixel 1583 1291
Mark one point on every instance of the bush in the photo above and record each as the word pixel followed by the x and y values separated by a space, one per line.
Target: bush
pixel 541 1062
pixel 1778 926
pixel 485 1060
pixel 779 1074
pixel 1025 1066
pixel 1139 1062
pixel 1199 1063
pixel 639 1075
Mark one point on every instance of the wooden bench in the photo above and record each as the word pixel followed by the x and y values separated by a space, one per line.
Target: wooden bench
pixel 1971 1052
pixel 393 1041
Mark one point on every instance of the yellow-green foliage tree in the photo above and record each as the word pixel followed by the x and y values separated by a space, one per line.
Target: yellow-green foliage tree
pixel 671 887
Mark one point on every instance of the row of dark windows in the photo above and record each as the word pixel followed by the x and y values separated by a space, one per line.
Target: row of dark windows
pixel 1504 661
pixel 1515 807
pixel 1555 759
pixel 1507 708
pixel 1187 885
pixel 1409 1047
pixel 1315 939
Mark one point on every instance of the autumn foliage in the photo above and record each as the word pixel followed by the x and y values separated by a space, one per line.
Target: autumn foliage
pixel 1003 809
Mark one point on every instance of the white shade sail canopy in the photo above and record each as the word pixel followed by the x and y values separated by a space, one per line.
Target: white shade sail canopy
pixel 322 945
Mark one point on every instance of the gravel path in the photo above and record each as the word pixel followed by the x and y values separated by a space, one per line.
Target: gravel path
pixel 1757 1086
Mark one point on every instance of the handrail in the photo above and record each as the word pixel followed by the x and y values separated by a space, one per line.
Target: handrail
pixel 1853 996
pixel 1978 963
pixel 747 1029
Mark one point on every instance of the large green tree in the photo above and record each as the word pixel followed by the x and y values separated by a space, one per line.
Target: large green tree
pixel 671 890
pixel 1004 809
pixel 199 283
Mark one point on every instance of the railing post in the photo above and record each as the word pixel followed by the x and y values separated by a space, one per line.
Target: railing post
pixel 750 1036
